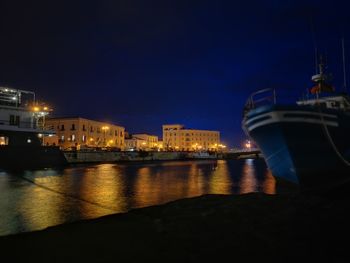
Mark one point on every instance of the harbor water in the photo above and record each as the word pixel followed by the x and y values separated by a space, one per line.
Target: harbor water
pixel 34 200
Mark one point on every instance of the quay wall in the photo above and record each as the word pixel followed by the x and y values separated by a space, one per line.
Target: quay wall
pixel 114 156
pixel 123 156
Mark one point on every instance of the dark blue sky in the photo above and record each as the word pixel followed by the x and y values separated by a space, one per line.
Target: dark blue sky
pixel 142 64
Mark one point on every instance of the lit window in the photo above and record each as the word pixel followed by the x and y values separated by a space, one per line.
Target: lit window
pixel 73 137
pixel 4 140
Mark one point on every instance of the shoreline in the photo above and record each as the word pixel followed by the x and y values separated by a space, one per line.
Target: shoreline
pixel 255 226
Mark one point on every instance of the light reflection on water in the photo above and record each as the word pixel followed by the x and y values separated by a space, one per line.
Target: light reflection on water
pixel 34 200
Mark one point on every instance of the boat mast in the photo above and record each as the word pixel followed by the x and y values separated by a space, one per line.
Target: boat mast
pixel 316 61
pixel 344 70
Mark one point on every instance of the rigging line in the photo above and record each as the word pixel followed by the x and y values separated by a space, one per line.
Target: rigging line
pixel 67 195
pixel 329 137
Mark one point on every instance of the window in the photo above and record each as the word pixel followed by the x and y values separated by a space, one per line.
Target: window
pixel 84 138
pixel 62 138
pixel 91 129
pixel 62 127
pixel 17 120
pixel 73 127
pixel 84 129
pixel 73 137
pixel 4 140
pixel 12 119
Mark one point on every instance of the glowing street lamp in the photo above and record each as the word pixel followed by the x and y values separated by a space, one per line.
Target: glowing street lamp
pixel 248 145
pixel 40 113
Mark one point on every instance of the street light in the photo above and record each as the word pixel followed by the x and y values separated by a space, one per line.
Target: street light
pixel 39 113
pixel 248 145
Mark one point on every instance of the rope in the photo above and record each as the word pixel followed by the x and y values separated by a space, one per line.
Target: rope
pixel 329 137
pixel 67 195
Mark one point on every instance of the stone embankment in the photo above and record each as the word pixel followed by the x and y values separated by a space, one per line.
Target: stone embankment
pixel 118 156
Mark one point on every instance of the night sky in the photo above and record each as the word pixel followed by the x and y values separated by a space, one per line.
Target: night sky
pixel 142 64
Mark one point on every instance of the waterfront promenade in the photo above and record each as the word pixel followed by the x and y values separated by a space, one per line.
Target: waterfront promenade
pixel 253 227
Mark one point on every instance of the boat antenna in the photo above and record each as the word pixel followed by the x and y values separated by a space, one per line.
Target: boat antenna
pixel 344 69
pixel 313 33
pixel 316 60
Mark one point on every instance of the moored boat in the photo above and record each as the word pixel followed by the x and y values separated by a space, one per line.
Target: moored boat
pixel 22 132
pixel 308 142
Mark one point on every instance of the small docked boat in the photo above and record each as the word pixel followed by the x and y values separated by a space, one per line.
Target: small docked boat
pixel 308 142
pixel 22 132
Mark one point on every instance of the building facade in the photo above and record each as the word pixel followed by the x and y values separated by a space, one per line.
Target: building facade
pixel 134 144
pixel 79 132
pixel 177 137
pixel 151 140
pixel 142 141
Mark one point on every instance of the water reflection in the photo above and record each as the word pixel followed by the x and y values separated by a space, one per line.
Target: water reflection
pixel 104 187
pixel 37 199
pixel 220 181
pixel 170 181
pixel 248 181
pixel 269 183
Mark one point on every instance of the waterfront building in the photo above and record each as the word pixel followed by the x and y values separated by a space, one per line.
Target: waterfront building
pixel 142 141
pixel 159 145
pixel 177 137
pixel 151 140
pixel 80 132
pixel 135 144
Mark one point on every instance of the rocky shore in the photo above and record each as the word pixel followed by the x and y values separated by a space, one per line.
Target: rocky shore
pixel 253 227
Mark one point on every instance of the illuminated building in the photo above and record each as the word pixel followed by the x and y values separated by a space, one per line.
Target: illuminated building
pixel 177 137
pixel 142 141
pixel 79 132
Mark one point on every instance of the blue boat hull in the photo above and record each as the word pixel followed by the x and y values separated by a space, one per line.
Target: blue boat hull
pixel 303 145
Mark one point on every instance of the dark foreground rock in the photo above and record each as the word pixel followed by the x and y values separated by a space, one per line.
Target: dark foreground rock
pixel 252 227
